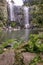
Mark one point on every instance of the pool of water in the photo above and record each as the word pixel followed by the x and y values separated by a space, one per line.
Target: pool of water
pixel 19 34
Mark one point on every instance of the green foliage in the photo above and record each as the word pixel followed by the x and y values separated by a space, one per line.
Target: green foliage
pixel 2 18
pixel 18 58
pixel 1 49
pixel 37 13
pixel 38 19
pixel 6 43
pixel 36 60
pixel 17 44
pixel 35 44
pixel 1 15
pixel 13 24
pixel 27 4
pixel 1 24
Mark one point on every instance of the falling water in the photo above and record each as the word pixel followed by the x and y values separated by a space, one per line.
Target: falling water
pixel 27 33
pixel 12 17
pixel 26 16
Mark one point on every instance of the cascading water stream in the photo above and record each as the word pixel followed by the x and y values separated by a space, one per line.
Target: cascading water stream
pixel 26 16
pixel 12 17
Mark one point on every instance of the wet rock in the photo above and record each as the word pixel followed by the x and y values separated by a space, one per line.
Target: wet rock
pixel 8 46
pixel 28 57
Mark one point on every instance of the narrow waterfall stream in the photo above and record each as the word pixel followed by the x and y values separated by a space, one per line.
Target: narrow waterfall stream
pixel 26 16
pixel 12 17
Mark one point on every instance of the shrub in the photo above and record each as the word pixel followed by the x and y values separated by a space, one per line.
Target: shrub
pixel 34 44
pixel 1 24
pixel 13 24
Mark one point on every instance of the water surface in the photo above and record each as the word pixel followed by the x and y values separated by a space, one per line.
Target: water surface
pixel 19 34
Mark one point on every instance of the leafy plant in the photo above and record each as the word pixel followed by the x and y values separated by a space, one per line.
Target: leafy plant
pixel 36 60
pixel 34 44
pixel 17 44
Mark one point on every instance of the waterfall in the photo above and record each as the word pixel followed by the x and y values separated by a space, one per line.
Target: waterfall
pixel 27 33
pixel 12 17
pixel 26 16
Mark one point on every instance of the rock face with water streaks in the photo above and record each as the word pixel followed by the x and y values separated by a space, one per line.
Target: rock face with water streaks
pixel 3 10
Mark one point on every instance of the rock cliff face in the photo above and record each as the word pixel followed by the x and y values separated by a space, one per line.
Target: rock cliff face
pixel 3 10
